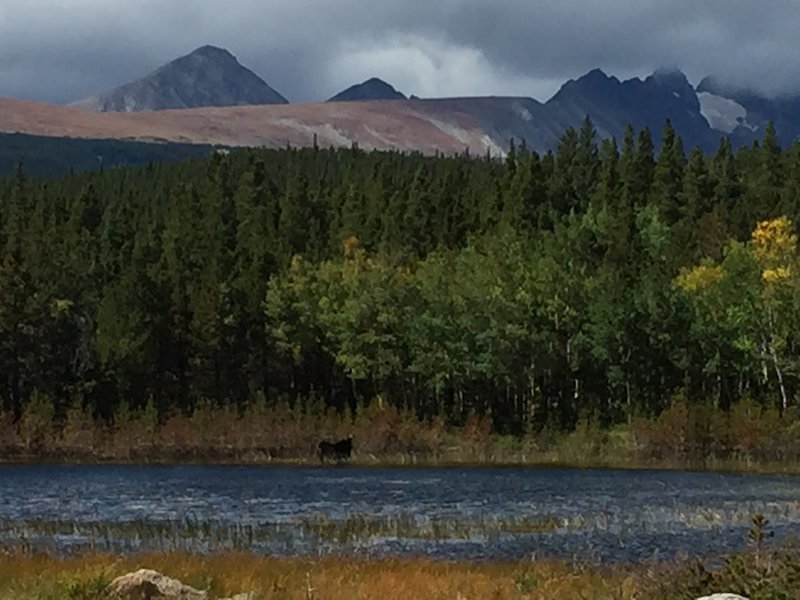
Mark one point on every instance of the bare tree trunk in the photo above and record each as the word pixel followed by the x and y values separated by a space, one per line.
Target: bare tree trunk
pixel 576 394
pixel 779 375
pixel 628 393
pixel 774 354
pixel 530 407
pixel 764 366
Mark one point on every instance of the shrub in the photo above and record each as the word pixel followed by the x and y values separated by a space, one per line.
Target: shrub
pixel 85 587
pixel 8 433
pixel 36 423
pixel 77 434
pixel 758 574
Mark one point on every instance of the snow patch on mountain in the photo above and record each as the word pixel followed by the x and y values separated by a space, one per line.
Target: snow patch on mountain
pixel 723 114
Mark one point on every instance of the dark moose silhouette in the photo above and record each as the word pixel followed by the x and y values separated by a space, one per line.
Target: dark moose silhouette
pixel 336 451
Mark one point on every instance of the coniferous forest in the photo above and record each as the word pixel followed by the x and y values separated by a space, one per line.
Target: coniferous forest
pixel 602 285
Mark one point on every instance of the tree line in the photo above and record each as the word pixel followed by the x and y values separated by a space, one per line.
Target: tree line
pixel 597 281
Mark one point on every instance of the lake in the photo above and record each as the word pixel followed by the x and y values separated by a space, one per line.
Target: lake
pixel 470 513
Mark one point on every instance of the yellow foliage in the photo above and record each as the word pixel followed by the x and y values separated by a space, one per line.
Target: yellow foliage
pixel 59 306
pixel 297 263
pixel 349 246
pixel 776 275
pixel 774 241
pixel 699 278
pixel 774 246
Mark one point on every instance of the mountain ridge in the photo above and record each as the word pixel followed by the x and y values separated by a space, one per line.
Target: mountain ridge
pixel 210 111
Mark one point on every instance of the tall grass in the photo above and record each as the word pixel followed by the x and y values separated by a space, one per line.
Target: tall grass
pixel 28 578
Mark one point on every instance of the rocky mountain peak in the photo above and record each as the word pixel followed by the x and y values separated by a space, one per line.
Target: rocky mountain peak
pixel 208 76
pixel 371 89
pixel 213 52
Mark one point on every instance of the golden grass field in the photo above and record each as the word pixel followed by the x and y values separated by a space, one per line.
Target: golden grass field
pixel 45 578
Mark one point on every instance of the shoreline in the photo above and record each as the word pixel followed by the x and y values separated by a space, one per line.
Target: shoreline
pixel 719 467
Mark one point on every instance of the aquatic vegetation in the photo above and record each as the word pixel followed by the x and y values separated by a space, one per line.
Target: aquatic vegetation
pixel 309 534
pixel 409 526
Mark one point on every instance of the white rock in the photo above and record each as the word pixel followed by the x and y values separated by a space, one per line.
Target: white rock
pixel 146 583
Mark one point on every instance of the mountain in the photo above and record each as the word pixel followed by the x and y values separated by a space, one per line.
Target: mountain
pixel 371 89
pixel 611 104
pixel 448 125
pixel 209 76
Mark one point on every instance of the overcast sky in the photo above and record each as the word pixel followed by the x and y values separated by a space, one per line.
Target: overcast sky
pixel 63 50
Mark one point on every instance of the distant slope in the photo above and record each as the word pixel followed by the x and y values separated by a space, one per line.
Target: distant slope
pixel 424 126
pixel 448 125
pixel 209 76
pixel 371 89
pixel 53 156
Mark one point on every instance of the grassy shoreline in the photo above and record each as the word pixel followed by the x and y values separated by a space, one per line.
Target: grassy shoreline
pixel 761 574
pixel 747 440
pixel 84 578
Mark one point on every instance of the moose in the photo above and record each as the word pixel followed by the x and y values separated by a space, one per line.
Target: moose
pixel 336 451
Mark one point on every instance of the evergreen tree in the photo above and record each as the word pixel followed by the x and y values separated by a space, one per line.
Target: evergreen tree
pixel 668 176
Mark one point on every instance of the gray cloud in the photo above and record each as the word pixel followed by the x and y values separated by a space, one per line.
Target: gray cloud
pixel 62 50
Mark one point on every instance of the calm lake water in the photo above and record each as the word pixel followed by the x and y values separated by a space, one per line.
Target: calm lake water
pixel 475 513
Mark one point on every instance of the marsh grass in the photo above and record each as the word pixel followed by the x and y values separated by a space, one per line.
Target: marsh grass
pixel 358 534
pixel 312 532
pixel 407 526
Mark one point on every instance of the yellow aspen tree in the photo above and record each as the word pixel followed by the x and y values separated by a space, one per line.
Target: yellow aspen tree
pixel 754 291
pixel 773 245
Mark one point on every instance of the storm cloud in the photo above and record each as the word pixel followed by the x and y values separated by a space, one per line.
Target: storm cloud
pixel 63 50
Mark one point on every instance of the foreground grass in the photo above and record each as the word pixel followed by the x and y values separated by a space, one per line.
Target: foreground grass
pixel 44 578
pixel 758 575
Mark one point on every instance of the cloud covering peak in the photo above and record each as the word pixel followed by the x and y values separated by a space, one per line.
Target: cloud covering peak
pixel 62 50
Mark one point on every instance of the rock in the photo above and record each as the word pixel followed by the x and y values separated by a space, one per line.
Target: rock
pixel 146 584
pixel 723 597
